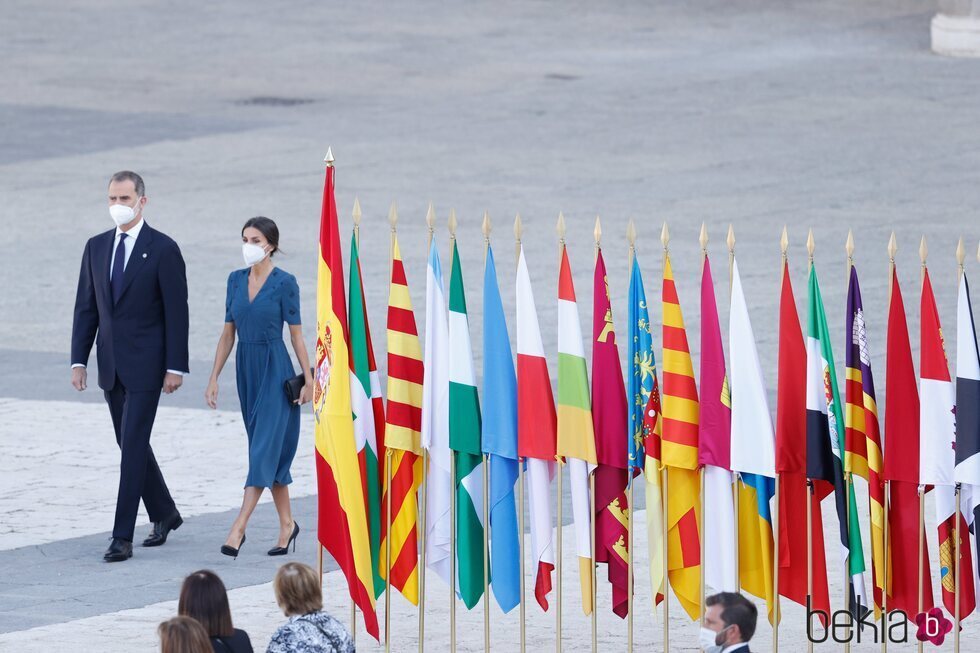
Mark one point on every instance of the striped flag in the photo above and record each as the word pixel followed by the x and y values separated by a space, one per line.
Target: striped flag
pixel 967 471
pixel 902 466
pixel 937 426
pixel 825 440
pixel 753 452
pixel 679 452
pixel 500 442
pixel 464 440
pixel 612 510
pixel 862 441
pixel 403 433
pixel 714 447
pixel 435 422
pixel 791 465
pixel 343 523
pixel 369 415
pixel 536 431
pixel 644 400
pixel 576 439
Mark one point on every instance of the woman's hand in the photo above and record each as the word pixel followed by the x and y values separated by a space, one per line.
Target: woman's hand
pixel 211 393
pixel 306 394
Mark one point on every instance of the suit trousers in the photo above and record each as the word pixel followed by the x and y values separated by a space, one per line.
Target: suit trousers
pixel 139 475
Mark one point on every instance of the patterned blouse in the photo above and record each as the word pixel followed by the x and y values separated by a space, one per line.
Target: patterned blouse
pixel 316 632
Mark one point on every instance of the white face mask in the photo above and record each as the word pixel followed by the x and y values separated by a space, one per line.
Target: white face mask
pixel 122 214
pixel 253 253
pixel 708 638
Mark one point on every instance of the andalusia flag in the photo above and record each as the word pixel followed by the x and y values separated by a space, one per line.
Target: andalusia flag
pixel 369 415
pixel 464 440
pixel 342 520
pixel 576 442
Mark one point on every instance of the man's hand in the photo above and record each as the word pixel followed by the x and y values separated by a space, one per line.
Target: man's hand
pixel 171 382
pixel 79 378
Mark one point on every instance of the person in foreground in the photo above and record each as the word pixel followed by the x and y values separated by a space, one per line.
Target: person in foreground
pixel 183 635
pixel 309 629
pixel 132 301
pixel 203 597
pixel 259 299
pixel 729 623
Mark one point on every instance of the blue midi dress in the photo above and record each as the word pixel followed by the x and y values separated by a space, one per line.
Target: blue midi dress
pixel 263 365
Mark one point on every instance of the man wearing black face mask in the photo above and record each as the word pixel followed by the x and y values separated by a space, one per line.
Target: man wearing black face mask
pixel 729 623
pixel 132 302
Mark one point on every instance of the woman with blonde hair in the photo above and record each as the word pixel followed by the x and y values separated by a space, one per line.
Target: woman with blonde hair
pixel 309 629
pixel 183 635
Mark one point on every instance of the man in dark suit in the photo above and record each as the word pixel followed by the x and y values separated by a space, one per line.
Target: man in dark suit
pixel 729 623
pixel 132 302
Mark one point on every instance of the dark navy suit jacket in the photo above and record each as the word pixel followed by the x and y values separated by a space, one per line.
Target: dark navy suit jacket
pixel 144 333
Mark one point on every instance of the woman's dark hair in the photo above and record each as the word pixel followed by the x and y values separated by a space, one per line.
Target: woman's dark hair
pixel 267 228
pixel 204 598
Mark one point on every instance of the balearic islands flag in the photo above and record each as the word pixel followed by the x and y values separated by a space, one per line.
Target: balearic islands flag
pixel 464 440
pixel 644 398
pixel 536 431
pixel 576 439
pixel 825 440
pixel 435 421
pixel 343 523
pixel 937 426
pixel 369 416
pixel 500 442
pixel 714 448
pixel 967 469
pixel 753 452
pixel 612 511
pixel 679 452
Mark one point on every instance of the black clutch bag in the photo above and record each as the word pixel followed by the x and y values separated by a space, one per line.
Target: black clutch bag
pixel 293 387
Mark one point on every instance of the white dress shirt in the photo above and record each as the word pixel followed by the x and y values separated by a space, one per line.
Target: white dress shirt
pixel 129 244
pixel 735 647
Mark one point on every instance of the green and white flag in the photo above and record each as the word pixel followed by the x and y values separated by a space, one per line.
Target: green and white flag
pixel 464 440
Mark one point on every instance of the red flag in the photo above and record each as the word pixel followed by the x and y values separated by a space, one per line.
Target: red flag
pixel 902 466
pixel 791 466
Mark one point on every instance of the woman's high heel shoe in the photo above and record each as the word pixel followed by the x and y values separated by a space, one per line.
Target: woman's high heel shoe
pixel 283 550
pixel 232 551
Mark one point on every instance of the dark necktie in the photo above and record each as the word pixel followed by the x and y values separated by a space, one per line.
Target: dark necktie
pixel 118 268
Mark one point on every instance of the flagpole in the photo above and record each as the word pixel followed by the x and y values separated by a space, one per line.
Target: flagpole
pixel 452 475
pixel 886 581
pixel 703 239
pixel 848 488
pixel 923 252
pixel 809 493
pixel 393 220
pixel 430 219
pixel 356 218
pixel 595 590
pixel 486 488
pixel 631 237
pixel 328 160
pixel 561 249
pixel 783 245
pixel 960 257
pixel 665 241
pixel 518 230
pixel 738 479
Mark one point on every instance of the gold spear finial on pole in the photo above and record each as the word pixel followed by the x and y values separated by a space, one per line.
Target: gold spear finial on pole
pixel 923 250
pixel 356 216
pixel 849 248
pixel 453 223
pixel 329 158
pixel 560 228
pixel 784 242
pixel 486 226
pixel 518 232
pixel 731 238
pixel 393 216
pixel 810 245
pixel 960 255
pixel 597 232
pixel 892 248
pixel 631 238
pixel 665 237
pixel 703 238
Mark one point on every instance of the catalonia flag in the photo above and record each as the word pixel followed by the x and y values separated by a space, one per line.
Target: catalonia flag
pixel 679 453
pixel 342 518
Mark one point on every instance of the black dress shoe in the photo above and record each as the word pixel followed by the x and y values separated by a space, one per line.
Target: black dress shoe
pixel 161 529
pixel 231 551
pixel 119 550
pixel 283 550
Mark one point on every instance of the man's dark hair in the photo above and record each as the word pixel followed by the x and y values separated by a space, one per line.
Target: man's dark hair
pixel 129 175
pixel 736 610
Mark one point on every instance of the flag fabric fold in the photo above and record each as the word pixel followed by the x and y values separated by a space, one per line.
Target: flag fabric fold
pixel 500 443
pixel 576 438
pixel 343 522
pixel 967 470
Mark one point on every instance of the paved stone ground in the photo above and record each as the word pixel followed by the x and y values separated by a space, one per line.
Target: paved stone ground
pixel 829 115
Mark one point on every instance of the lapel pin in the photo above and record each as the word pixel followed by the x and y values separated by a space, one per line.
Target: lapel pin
pixel 144 254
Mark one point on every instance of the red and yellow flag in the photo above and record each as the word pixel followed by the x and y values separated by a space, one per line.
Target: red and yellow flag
pixel 679 453
pixel 403 434
pixel 342 517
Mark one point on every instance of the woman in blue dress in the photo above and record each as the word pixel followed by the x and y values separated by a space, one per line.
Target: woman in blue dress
pixel 260 298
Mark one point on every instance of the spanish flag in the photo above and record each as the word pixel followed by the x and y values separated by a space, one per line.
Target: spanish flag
pixel 342 519
pixel 679 453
